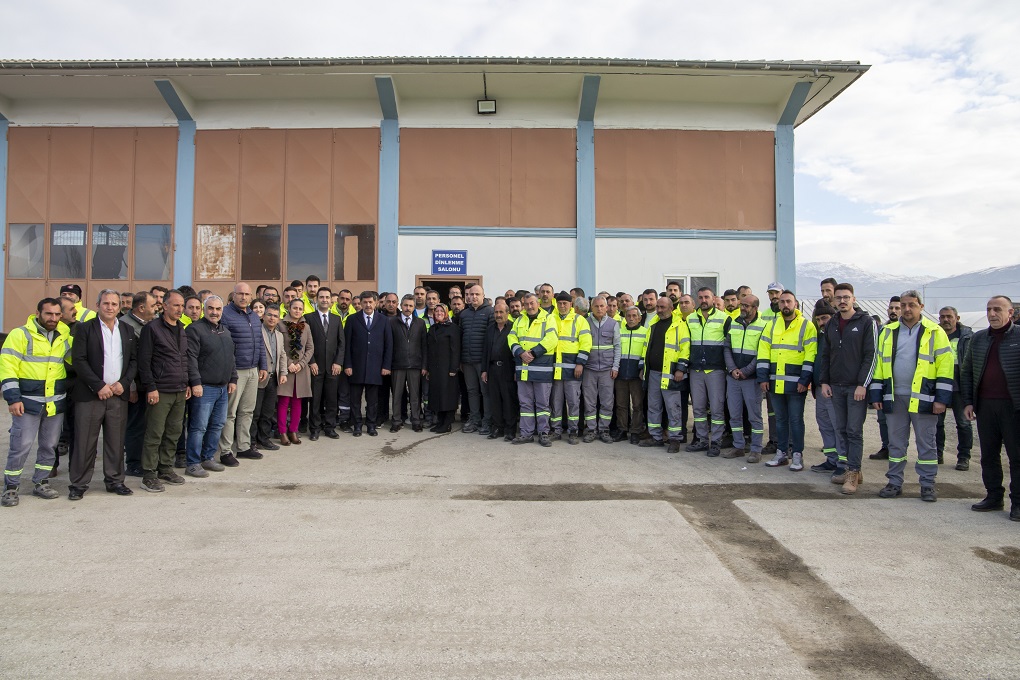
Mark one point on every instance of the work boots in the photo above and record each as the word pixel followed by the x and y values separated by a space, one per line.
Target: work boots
pixel 854 478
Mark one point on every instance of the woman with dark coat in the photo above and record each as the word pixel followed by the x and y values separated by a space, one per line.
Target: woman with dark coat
pixel 443 362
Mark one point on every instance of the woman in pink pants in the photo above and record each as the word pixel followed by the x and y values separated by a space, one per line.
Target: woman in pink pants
pixel 299 352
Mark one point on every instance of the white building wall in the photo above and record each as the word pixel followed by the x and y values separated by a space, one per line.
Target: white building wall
pixel 631 265
pixel 504 262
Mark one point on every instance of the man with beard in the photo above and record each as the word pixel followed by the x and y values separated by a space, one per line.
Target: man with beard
pixel 959 339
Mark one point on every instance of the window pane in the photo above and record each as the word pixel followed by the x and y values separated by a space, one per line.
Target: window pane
pixel 307 250
pixel 703 281
pixel 152 252
pixel 215 251
pixel 260 252
pixel 109 251
pixel 25 245
pixel 357 242
pixel 67 252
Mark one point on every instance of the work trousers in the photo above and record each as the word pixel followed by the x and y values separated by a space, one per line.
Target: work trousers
pixel 371 395
pixel 343 398
pixel 899 421
pixel 91 417
pixel 964 431
pixel 789 421
pixel 630 405
pixel 409 380
pixel 745 396
pixel 503 406
pixel 206 416
pixel 565 392
pixel 825 419
pixel 240 407
pixel 771 414
pixel 534 400
pixel 477 394
pixel 848 418
pixel 658 401
pixel 263 419
pixel 998 425
pixel 164 422
pixel 708 391
pixel 134 437
pixel 883 429
pixel 598 390
pixel 323 414
pixel 24 431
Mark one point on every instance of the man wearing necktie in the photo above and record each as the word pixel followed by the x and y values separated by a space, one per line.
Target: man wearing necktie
pixel 409 334
pixel 368 357
pixel 325 366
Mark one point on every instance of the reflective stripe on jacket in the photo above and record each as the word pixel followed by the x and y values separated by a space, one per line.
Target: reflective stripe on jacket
pixel 742 344
pixel 933 377
pixel 573 346
pixel 33 370
pixel 786 353
pixel 538 337
pixel 676 352
pixel 708 336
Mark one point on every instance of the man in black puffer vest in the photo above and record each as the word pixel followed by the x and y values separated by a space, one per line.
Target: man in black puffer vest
pixel 990 382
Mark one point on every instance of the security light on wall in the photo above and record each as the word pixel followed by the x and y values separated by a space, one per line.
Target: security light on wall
pixel 486 105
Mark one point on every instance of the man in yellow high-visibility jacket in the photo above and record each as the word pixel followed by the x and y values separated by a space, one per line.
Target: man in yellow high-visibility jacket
pixel 33 378
pixel 533 339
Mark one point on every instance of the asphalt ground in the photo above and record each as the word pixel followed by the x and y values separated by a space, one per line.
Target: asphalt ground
pixel 424 556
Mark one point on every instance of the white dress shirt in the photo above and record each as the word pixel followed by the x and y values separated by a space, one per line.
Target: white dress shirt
pixel 113 352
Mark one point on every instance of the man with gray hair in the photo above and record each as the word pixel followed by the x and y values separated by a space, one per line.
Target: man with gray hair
pixel 213 380
pixel 601 370
pixel 571 356
pixel 473 320
pixel 250 362
pixel 959 339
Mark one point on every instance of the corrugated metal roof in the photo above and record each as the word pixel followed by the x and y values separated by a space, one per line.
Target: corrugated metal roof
pixel 269 62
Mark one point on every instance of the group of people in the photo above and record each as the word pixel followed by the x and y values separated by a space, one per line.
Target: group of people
pixel 185 379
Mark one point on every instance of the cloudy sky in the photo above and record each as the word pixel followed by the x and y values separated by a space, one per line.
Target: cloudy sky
pixel 915 169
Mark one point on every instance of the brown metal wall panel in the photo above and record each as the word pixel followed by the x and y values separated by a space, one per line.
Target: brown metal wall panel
pixel 356 176
pixel 263 162
pixel 70 172
pixel 686 179
pixel 308 176
pixel 155 175
pixel 454 177
pixel 217 166
pixel 20 300
pixel 543 184
pixel 27 175
pixel 113 160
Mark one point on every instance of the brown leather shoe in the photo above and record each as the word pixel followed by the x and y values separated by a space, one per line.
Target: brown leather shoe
pixel 854 478
pixel 294 439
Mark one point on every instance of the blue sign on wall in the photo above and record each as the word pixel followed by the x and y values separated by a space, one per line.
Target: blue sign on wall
pixel 449 262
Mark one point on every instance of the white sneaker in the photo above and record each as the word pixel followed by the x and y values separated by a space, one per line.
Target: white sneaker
pixel 780 459
pixel 798 462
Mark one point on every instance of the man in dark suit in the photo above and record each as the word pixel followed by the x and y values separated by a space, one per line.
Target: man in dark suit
pixel 409 335
pixel 368 356
pixel 498 374
pixel 104 354
pixel 327 360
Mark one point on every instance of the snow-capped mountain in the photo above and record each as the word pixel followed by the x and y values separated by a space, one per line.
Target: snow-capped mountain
pixel 866 284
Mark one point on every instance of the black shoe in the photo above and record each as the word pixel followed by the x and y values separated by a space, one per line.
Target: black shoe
pixel 651 442
pixel 989 504
pixel 928 494
pixel 74 494
pixel 683 438
pixel 697 445
pixel 133 471
pixel 620 436
pixel 357 432
pixel 1014 513
pixel 251 453
pixel 509 438
pixel 346 427
pixel 268 446
pixel 229 460
pixel 442 430
pixel 417 428
pixel 434 427
pixel 394 428
pixel 673 446
pixel 713 451
pixel 119 489
pixel 881 454
pixel 493 434
pixel 890 491
pixel 963 464
pixel 769 449
pixel 332 434
pixel 181 460
pixel 312 437
pixel 726 442
pixel 372 432
pixel 635 439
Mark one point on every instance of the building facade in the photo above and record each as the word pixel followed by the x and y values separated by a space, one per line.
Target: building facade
pixel 386 173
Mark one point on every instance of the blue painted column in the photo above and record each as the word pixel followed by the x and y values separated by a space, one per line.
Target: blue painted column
pixel 585 234
pixel 184 204
pixel 4 127
pixel 389 184
pixel 786 241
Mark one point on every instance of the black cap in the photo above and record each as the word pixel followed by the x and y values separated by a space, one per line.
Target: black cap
pixel 71 288
pixel 563 296
pixel 822 307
